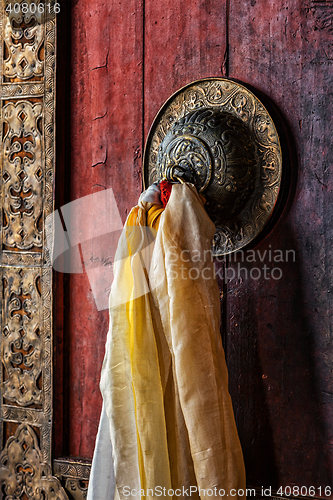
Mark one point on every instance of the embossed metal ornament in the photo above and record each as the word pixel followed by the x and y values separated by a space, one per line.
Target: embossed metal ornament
pixel 24 474
pixel 216 134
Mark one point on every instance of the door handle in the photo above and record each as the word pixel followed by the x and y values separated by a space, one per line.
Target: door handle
pixel 216 134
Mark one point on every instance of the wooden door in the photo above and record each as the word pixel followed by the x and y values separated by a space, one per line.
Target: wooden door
pixel 118 61
pixel 126 59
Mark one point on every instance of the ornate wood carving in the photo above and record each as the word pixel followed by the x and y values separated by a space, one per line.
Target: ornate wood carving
pixel 22 339
pixel 23 471
pixel 74 475
pixel 24 37
pixel 76 488
pixel 22 175
pixel 27 92
pixel 69 468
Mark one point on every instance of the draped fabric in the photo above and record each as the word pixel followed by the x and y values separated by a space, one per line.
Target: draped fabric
pixel 167 413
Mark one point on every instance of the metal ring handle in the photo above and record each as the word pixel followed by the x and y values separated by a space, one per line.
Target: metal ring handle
pixel 170 176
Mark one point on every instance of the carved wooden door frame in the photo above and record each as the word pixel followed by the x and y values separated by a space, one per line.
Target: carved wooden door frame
pixel 28 62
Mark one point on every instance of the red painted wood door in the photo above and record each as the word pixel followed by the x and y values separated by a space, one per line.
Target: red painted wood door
pixel 118 62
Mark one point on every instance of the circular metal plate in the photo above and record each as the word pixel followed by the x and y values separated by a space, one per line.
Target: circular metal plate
pixel 234 99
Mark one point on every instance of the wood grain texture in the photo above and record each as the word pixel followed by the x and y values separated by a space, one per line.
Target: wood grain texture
pixel 107 88
pixel 279 337
pixel 183 42
pixel 127 59
pixel 106 151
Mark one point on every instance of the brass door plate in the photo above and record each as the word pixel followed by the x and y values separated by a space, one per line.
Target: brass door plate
pixel 220 133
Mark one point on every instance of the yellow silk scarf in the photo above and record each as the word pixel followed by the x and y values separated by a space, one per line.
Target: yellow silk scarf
pixel 164 378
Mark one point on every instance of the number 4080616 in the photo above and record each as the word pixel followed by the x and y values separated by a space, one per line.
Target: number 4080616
pixel 33 8
pixel 303 491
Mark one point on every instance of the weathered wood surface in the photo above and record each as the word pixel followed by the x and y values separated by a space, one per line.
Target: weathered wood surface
pixel 107 114
pixel 279 338
pixel 182 43
pixel 127 59
pixel 106 141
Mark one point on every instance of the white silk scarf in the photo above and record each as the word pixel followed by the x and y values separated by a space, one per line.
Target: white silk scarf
pixel 167 414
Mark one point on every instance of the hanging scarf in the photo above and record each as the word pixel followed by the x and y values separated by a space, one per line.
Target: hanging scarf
pixel 166 406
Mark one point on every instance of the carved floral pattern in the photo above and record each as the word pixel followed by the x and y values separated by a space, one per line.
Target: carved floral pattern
pixel 23 471
pixel 24 38
pixel 22 175
pixel 27 91
pixel 78 489
pixel 22 340
pixel 74 475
